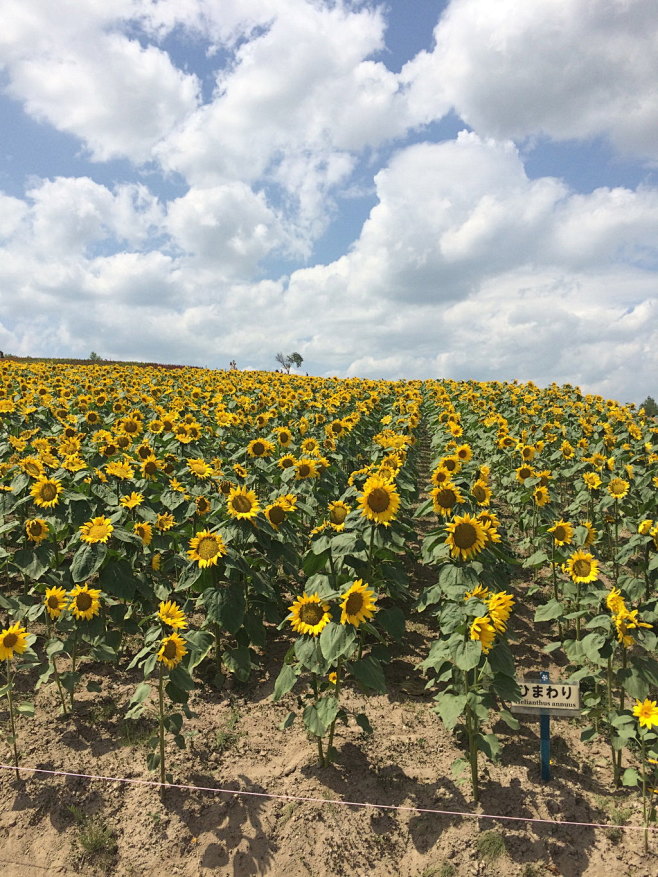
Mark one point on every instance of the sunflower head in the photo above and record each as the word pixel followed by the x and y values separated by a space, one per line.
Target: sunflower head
pixel 171 614
pixel 338 511
pixel 380 500
pixel 467 536
pixel 582 567
pixel 45 492
pixel 36 529
pixel 84 602
pixel 309 614
pixel 484 632
pixel 242 503
pixel 206 548
pixel 357 604
pixel 172 650
pixel 445 497
pixel 55 601
pixel 97 530
pixel 13 639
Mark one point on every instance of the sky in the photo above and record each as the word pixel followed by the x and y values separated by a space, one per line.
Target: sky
pixel 457 189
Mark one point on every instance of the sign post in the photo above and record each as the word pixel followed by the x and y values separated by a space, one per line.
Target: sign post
pixel 547 700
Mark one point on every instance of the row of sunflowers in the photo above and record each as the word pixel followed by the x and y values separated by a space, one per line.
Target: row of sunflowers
pixel 179 522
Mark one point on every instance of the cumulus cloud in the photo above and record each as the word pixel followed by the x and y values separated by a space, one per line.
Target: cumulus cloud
pixel 568 70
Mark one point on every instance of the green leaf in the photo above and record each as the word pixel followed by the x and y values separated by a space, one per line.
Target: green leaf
pixel 392 620
pixel 181 678
pixel 450 707
pixel 630 777
pixel 200 643
pixel 368 671
pixel 337 641
pixel 25 709
pixel 33 562
pixel 592 645
pixel 489 744
pixel 307 652
pixel 118 580
pixel 225 606
pixel 467 655
pixel 539 558
pixel 314 721
pixel 238 662
pixel 87 560
pixel 313 563
pixel 549 611
pixel 284 682
pixel 327 709
pixel 501 660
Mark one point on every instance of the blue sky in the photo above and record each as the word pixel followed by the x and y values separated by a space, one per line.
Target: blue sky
pixel 412 189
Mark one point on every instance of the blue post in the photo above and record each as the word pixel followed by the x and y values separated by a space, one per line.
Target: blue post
pixel 545 736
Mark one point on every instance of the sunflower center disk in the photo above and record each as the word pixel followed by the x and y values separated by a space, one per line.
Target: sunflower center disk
pixel 83 602
pixel 48 492
pixel 10 641
pixel 337 516
pixel 582 568
pixel 277 515
pixel 311 613
pixel 97 531
pixel 304 470
pixel 242 504
pixel 208 548
pixel 465 536
pixel 379 500
pixel 169 650
pixel 354 604
pixel 446 498
pixel 479 494
pixel 53 602
pixel 258 449
pixel 560 534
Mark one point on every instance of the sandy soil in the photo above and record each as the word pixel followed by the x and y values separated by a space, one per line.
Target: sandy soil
pixel 66 825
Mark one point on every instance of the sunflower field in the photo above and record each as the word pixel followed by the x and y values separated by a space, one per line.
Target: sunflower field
pixel 193 535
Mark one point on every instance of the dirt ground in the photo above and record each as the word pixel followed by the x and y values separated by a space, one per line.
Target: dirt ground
pixel 67 825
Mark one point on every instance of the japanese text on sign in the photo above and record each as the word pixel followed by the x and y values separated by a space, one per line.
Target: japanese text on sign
pixel 562 696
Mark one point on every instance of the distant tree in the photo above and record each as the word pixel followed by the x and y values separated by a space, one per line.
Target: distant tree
pixel 94 357
pixel 650 407
pixel 287 360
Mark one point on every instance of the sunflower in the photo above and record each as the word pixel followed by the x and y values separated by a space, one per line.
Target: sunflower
pixel 260 448
pixel 242 503
pixel 592 480
pixel 120 470
pixel 541 496
pixel 481 493
pixel 283 436
pixel 483 630
pixel 646 712
pixel 464 453
pixel 203 505
pixel 338 511
pixel 615 602
pixel 45 492
pixel 466 536
pixel 479 592
pixel 306 468
pixel 150 467
pixel 582 567
pixel 644 527
pixel 55 601
pixel 172 650
pixel 500 607
pixel 170 613
pixel 618 488
pixel 626 620
pixel 562 532
pixel 357 604
pixel 36 530
pixel 524 472
pixel 132 500
pixel 97 530
pixel 276 513
pixel 379 501
pixel 199 467
pixel 206 548
pixel 12 639
pixel 286 462
pixel 308 614
pixel 84 602
pixel 144 530
pixel 592 533
pixel 445 497
pixel 240 470
pixel 164 522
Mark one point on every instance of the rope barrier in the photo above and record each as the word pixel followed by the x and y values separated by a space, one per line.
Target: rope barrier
pixel 313 800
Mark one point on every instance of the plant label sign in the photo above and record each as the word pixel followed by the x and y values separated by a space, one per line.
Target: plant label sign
pixel 549 698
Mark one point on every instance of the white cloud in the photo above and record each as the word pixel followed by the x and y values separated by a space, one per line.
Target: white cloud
pixel 568 69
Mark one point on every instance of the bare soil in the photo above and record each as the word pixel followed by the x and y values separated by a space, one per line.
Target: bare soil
pixel 71 825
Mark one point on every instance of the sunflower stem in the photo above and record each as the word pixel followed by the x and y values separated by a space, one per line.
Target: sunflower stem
pixel 74 658
pixel 51 632
pixel 645 821
pixel 161 731
pixel 333 724
pixel 10 683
